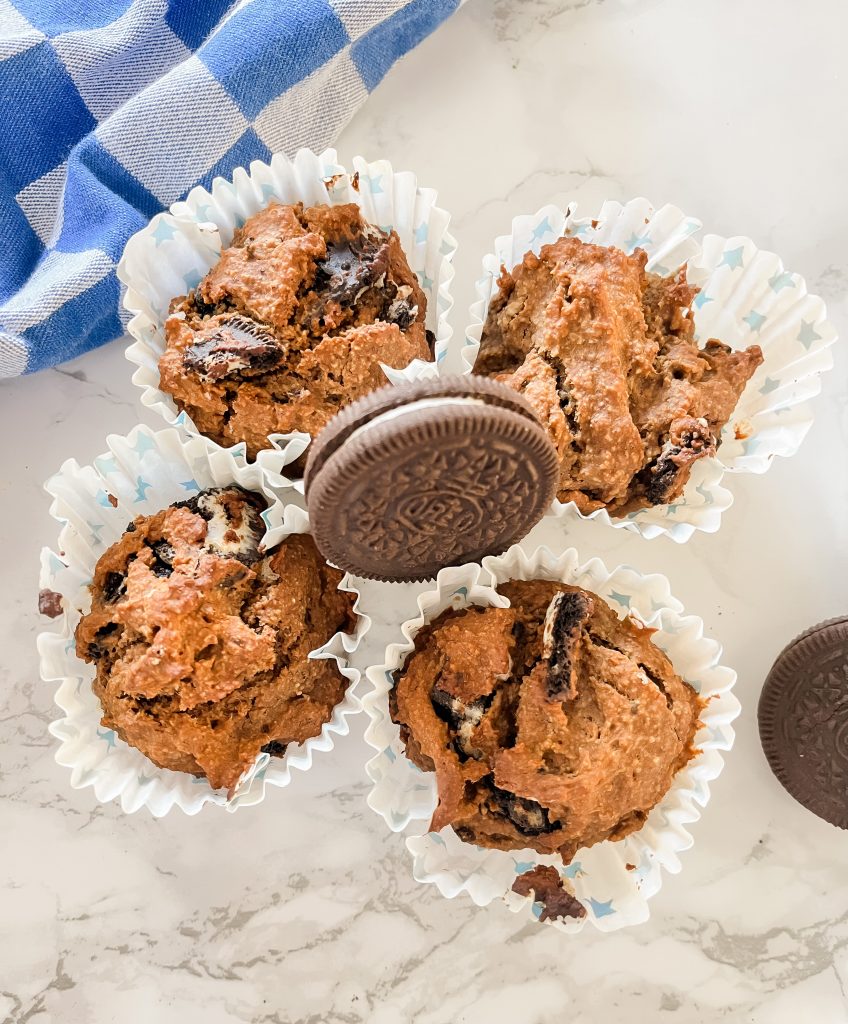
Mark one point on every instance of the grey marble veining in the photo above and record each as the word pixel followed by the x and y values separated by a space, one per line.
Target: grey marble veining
pixel 304 909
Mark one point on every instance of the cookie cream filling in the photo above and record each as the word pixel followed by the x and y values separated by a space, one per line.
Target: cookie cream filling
pixel 222 534
pixel 421 405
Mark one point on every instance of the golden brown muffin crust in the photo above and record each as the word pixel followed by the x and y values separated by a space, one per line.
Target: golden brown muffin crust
pixel 201 642
pixel 553 741
pixel 606 354
pixel 292 323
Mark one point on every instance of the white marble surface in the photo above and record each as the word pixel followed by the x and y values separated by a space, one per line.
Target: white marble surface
pixel 303 909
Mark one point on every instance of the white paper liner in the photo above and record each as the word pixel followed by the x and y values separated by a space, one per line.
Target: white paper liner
pixel 614 894
pixel 175 250
pixel 747 297
pixel 145 472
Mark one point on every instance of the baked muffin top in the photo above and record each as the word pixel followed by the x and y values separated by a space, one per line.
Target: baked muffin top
pixel 292 323
pixel 201 641
pixel 606 355
pixel 550 724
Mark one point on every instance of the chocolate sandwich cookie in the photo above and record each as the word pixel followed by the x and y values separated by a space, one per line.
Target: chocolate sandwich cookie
pixel 413 478
pixel 803 716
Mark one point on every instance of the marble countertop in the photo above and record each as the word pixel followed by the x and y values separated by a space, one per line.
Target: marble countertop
pixel 304 909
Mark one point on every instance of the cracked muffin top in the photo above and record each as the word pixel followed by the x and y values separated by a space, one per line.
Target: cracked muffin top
pixel 201 642
pixel 550 725
pixel 605 352
pixel 291 324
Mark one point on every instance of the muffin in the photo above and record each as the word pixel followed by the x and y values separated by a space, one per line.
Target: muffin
pixel 605 352
pixel 550 724
pixel 201 641
pixel 292 323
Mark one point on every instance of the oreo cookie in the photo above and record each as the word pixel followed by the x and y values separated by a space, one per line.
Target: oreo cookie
pixel 413 478
pixel 803 718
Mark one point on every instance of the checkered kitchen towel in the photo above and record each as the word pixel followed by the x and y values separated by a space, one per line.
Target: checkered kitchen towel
pixel 112 109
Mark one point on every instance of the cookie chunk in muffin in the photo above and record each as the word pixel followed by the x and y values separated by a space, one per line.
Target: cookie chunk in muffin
pixel 201 641
pixel 292 323
pixel 605 352
pixel 550 725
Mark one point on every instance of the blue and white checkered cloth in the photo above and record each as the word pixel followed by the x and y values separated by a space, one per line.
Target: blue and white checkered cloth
pixel 112 109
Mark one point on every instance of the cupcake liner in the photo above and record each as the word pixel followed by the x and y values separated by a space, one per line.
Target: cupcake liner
pixel 747 297
pixel 141 474
pixel 173 253
pixel 613 881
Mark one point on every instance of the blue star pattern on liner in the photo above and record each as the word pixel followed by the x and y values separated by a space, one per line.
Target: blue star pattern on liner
pixel 426 282
pixel 658 268
pixel 446 248
pixel 636 242
pixel 192 279
pixel 754 320
pixel 523 865
pixel 109 736
pixel 95 531
pixel 141 489
pixel 374 184
pixel 542 228
pixel 163 232
pixel 537 909
pixel 769 385
pixel 143 444
pixel 780 281
pixel 144 780
pixel 622 599
pixel 708 498
pixel 600 909
pixel 102 498
pixel 390 755
pixel 751 445
pixel 461 592
pixel 574 870
pixel 808 334
pixel 691 226
pixel 204 210
pixel 105 464
pixel 733 258
pixel 701 299
pixel 421 233
pixel 190 485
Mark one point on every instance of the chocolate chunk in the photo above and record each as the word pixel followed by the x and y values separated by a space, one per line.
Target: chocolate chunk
pixel 528 816
pixel 679 452
pixel 547 887
pixel 275 748
pixel 350 267
pixel 98 649
pixel 463 718
pixel 49 603
pixel 565 618
pixel 113 501
pixel 114 586
pixel 401 310
pixel 803 717
pixel 238 347
pixel 163 564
